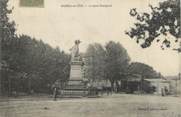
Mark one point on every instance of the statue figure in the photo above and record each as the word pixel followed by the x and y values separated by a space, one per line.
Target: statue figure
pixel 75 51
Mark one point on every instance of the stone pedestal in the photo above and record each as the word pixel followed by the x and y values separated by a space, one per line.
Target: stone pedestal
pixel 76 70
pixel 75 87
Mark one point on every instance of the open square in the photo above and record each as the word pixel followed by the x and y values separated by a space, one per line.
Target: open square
pixel 116 105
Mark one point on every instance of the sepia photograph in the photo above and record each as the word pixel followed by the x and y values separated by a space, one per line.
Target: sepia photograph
pixel 90 58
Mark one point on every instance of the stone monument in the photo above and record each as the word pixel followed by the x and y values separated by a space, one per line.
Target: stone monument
pixel 76 86
pixel 76 62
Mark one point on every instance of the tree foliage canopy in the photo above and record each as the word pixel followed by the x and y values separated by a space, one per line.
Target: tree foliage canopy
pixel 32 64
pixel 95 55
pixel 142 69
pixel 163 20
pixel 7 27
pixel 112 63
pixel 117 60
pixel 106 63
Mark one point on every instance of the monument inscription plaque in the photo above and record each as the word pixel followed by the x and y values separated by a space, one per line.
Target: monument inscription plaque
pixel 76 71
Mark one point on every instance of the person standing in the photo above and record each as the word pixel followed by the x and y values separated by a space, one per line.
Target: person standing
pixel 55 94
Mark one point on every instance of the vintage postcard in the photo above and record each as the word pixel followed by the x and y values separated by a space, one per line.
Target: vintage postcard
pixel 90 58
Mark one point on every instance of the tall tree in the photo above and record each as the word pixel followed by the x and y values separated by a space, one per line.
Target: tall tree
pixel 7 30
pixel 117 61
pixel 95 55
pixel 163 20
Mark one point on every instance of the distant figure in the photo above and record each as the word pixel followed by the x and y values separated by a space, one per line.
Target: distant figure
pixel 75 51
pixel 55 94
pixel 163 91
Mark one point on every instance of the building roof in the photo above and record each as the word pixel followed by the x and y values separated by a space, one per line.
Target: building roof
pixel 172 77
pixel 156 80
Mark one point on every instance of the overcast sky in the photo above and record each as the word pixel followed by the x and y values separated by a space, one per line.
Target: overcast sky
pixel 60 26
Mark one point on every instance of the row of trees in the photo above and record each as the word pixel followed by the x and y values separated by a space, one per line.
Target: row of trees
pixel 112 63
pixel 29 64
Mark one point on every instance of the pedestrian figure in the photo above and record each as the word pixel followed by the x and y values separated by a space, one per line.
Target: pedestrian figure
pixel 54 93
pixel 163 91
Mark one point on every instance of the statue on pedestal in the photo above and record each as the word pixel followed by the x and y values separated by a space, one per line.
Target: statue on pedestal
pixel 75 51
pixel 76 62
pixel 76 85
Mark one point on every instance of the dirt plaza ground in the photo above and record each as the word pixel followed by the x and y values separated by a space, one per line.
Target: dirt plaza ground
pixel 116 105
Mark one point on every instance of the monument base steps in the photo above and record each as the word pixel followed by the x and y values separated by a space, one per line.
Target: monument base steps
pixel 74 88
